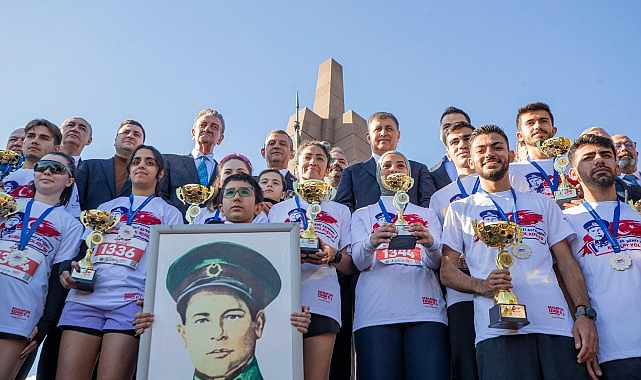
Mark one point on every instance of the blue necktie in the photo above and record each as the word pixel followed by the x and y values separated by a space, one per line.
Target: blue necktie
pixel 203 173
pixel 631 179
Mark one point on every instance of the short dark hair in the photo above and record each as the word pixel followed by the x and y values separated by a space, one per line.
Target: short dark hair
pixel 272 170
pixel 55 131
pixel 381 116
pixel 132 122
pixel 280 132
pixel 488 129
pixel 538 106
pixel 589 139
pixel 320 144
pixel 451 109
pixel 160 162
pixel 258 193
pixel 455 127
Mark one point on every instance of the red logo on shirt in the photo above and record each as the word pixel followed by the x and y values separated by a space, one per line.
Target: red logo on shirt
pixel 325 296
pixel 20 313
pixel 556 312
pixel 430 302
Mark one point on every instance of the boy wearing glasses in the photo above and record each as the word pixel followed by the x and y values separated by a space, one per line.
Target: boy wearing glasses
pixel 241 199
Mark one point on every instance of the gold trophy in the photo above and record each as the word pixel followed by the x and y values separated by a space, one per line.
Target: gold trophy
pixel 636 206
pixel 558 147
pixel 8 205
pixel 194 194
pixel 9 161
pixel 314 192
pixel 400 183
pixel 506 312
pixel 100 221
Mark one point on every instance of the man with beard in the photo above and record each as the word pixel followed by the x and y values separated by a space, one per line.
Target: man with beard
pixel 277 152
pixel 445 171
pixel 336 167
pixel 552 345
pixel 613 283
pixel 627 159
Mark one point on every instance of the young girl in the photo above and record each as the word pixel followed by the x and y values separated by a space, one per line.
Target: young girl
pixel 101 321
pixel 319 281
pixel 31 251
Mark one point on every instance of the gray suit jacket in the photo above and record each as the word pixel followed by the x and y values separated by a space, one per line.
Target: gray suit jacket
pixel 96 181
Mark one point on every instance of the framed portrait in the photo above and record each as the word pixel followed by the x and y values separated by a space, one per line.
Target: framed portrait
pixel 222 296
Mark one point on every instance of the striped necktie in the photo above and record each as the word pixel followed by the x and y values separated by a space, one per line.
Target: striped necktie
pixel 203 173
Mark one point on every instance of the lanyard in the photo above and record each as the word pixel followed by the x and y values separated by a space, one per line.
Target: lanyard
pixel 303 217
pixel 554 185
pixel 384 210
pixel 615 223
pixel 132 214
pixel 27 233
pixel 500 210
pixel 474 189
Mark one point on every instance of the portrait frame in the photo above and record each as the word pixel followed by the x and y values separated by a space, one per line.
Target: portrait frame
pixel 279 349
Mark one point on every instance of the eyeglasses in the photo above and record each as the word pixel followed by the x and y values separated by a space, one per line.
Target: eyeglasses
pixel 54 167
pixel 242 191
pixel 627 145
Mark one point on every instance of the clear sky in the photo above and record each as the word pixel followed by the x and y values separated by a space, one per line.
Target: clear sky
pixel 162 62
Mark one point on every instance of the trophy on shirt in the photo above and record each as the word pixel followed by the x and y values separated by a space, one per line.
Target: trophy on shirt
pixel 100 222
pixel 558 147
pixel 506 313
pixel 8 205
pixel 194 194
pixel 314 192
pixel 400 183
pixel 9 161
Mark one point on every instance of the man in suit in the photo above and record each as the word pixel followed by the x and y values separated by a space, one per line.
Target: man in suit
pixel 15 140
pixel 277 152
pixel 336 167
pixel 627 159
pixel 101 180
pixel 444 172
pixel 199 166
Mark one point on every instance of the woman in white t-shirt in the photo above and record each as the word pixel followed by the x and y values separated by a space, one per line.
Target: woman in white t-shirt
pixel 30 254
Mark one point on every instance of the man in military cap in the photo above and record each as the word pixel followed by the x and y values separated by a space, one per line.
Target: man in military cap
pixel 221 290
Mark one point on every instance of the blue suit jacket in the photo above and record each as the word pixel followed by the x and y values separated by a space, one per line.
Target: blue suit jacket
pixel 440 176
pixel 359 188
pixel 96 181
pixel 179 170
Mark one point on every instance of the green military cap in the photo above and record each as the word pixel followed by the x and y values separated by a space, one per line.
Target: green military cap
pixel 224 264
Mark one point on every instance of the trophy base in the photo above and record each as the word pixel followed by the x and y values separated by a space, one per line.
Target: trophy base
pixel 309 245
pixel 402 242
pixel 508 316
pixel 565 196
pixel 85 279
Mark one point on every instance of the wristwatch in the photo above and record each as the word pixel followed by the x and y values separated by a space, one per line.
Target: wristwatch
pixel 337 258
pixel 588 311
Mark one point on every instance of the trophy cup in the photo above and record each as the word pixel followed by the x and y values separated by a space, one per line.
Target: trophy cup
pixel 194 194
pixel 101 222
pixel 558 147
pixel 9 161
pixel 314 192
pixel 8 205
pixel 506 312
pixel 636 206
pixel 400 183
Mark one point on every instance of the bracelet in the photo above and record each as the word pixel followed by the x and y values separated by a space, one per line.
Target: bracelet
pixel 337 258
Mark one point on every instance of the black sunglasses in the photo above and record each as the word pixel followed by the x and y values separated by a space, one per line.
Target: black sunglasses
pixel 54 167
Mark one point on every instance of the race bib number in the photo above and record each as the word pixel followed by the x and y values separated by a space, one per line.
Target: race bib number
pixel 114 251
pixel 21 265
pixel 399 256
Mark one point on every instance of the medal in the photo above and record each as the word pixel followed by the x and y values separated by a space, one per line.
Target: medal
pixel 620 261
pixel 17 257
pixel 193 211
pixel 126 232
pixel 521 251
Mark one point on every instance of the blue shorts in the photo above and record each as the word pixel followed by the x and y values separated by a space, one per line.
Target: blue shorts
pixel 94 321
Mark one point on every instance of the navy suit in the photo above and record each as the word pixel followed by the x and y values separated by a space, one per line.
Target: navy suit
pixel 179 170
pixel 359 188
pixel 96 181
pixel 626 191
pixel 439 175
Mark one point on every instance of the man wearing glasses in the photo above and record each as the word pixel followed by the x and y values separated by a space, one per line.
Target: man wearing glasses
pixel 627 158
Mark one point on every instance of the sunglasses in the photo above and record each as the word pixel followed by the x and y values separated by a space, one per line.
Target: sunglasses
pixel 243 192
pixel 54 167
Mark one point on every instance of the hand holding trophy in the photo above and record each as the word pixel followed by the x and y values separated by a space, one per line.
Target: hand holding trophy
pixel 9 161
pixel 8 205
pixel 400 183
pixel 100 222
pixel 506 312
pixel 194 194
pixel 558 147
pixel 314 192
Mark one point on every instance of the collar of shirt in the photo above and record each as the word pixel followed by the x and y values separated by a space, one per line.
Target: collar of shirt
pixel 376 157
pixel 196 154
pixel 636 175
pixel 284 172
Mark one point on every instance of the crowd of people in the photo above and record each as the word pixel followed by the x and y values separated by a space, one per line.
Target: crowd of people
pixel 371 310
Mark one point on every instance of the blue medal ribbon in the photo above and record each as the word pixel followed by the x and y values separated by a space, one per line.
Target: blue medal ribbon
pixel 615 224
pixel 27 232
pixel 385 213
pixel 132 214
pixel 515 216
pixel 554 185
pixel 303 216
pixel 474 189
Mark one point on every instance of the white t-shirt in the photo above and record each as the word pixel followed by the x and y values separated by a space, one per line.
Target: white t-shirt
pixel 24 278
pixel 614 294
pixel 396 286
pixel 525 177
pixel 319 283
pixel 439 203
pixel 533 279
pixel 121 264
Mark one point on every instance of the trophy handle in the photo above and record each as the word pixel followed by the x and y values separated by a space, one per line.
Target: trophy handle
pixel 211 194
pixel 475 226
pixel 179 194
pixel 83 217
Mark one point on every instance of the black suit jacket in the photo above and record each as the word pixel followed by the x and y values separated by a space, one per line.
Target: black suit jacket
pixel 439 175
pixel 96 181
pixel 179 170
pixel 359 188
pixel 627 192
pixel 289 181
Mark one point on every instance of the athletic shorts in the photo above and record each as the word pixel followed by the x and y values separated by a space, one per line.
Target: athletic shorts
pixel 94 321
pixel 321 324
